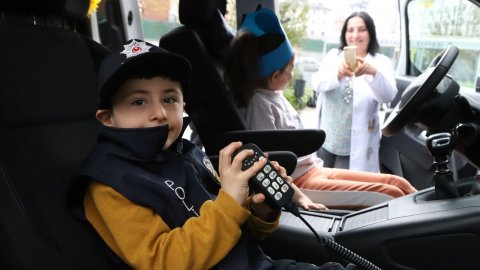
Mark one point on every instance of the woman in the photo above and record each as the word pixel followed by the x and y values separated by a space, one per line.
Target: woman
pixel 348 100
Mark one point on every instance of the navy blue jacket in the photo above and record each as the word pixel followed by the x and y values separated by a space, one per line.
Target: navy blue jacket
pixel 174 183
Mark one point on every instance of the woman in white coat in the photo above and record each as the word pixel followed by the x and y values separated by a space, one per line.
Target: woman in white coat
pixel 348 100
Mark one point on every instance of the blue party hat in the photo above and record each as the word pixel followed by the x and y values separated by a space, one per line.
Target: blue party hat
pixel 264 21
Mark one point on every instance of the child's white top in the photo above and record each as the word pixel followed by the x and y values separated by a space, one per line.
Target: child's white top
pixel 269 109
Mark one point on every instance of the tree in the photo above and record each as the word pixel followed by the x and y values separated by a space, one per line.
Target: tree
pixel 293 15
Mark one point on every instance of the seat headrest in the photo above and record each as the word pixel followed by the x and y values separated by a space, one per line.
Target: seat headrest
pixel 71 9
pixel 195 12
pixel 218 36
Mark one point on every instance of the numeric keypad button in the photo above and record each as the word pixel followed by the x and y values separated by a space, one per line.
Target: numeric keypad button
pixel 275 185
pixel 279 180
pixel 260 176
pixel 266 182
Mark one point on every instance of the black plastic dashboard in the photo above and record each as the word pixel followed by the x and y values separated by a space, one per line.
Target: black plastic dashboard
pixel 412 232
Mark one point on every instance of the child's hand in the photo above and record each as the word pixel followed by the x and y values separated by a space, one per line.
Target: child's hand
pixel 258 205
pixel 233 180
pixel 307 204
pixel 302 200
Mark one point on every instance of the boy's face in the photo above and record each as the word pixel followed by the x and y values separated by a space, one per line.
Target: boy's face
pixel 143 103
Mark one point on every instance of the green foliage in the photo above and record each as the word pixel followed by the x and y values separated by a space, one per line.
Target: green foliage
pixel 293 15
pixel 289 91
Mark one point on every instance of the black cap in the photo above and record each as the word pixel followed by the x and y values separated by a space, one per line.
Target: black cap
pixel 138 55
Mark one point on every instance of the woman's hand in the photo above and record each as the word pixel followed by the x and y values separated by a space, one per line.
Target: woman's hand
pixel 364 68
pixel 344 71
pixel 233 180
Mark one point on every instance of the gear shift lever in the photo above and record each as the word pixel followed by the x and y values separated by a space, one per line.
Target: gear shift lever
pixel 440 146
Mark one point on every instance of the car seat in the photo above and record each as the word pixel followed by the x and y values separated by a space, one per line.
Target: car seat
pixel 48 99
pixel 213 111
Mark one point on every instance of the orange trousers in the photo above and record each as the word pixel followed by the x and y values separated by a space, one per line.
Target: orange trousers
pixel 321 178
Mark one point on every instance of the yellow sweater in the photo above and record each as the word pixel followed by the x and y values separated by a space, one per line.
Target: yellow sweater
pixel 142 239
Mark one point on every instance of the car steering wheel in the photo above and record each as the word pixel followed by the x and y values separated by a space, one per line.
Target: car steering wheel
pixel 419 91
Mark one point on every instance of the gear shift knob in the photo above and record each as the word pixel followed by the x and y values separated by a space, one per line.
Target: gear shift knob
pixel 440 146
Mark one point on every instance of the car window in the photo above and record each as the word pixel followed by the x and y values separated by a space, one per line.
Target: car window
pixel 433 25
pixel 158 17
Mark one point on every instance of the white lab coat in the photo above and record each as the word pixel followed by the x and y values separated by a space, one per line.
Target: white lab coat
pixel 368 93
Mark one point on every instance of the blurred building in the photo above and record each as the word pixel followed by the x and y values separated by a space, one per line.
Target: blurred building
pixel 159 10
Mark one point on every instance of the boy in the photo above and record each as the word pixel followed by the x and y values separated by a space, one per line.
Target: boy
pixel 151 198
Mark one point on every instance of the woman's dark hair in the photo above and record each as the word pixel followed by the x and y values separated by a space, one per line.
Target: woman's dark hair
pixel 242 64
pixel 373 45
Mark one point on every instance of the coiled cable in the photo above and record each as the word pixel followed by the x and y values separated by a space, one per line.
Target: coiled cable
pixel 334 246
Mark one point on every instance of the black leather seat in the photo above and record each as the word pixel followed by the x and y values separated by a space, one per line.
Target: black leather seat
pixel 48 98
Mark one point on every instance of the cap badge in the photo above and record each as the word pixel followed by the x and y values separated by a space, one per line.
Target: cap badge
pixel 135 48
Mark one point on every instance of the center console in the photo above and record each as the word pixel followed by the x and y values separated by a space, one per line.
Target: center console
pixel 417 231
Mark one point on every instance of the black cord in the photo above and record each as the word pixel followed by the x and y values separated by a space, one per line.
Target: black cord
pixel 333 246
